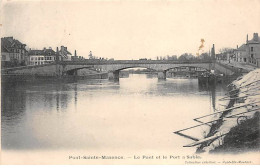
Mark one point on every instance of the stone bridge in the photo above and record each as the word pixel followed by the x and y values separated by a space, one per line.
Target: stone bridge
pixel 113 67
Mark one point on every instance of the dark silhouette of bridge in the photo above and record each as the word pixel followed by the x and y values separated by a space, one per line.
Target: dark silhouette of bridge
pixel 64 68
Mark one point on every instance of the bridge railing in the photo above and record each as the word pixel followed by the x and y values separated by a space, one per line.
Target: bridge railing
pixel 135 62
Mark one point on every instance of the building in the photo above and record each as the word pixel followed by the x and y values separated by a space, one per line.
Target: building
pixel 13 52
pixel 65 54
pixel 249 52
pixel 254 49
pixel 240 54
pixel 90 55
pixel 76 58
pixel 40 57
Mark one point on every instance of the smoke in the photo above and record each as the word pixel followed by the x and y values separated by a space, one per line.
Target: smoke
pixel 201 46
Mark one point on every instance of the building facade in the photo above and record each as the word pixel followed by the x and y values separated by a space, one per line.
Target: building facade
pixel 240 54
pixel 64 54
pixel 41 57
pixel 254 50
pixel 249 52
pixel 13 52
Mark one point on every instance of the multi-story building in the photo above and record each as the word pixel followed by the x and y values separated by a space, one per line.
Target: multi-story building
pixel 249 52
pixel 13 52
pixel 254 49
pixel 240 54
pixel 65 54
pixel 40 57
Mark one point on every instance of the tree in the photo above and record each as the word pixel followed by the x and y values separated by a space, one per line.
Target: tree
pixel 225 50
pixel 186 56
pixel 204 56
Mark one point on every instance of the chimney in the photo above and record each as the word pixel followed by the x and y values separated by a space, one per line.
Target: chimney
pixel 237 46
pixel 75 53
pixel 57 54
pixel 65 48
pixel 255 37
pixel 44 49
pixel 246 38
pixel 62 49
pixel 213 52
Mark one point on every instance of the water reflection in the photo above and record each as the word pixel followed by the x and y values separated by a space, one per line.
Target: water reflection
pixel 99 114
pixel 14 104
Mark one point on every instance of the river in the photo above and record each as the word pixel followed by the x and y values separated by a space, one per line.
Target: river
pixel 137 113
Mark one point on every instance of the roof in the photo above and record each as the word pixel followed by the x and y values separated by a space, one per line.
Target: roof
pixel 254 41
pixel 4 49
pixel 47 51
pixel 35 52
pixel 5 44
pixel 42 52
pixel 65 52
pixel 9 42
pixel 242 48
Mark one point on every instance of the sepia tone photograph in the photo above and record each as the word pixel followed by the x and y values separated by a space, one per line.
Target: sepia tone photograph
pixel 112 82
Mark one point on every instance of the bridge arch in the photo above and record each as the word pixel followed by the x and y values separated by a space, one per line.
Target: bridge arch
pixel 113 71
pixel 114 74
pixel 137 66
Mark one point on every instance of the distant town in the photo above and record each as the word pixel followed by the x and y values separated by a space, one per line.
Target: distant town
pixel 15 53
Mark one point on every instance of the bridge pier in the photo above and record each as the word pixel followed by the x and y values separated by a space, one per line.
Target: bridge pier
pixel 113 75
pixel 162 75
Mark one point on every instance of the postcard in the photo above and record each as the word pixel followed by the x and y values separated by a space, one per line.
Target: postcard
pixel 111 82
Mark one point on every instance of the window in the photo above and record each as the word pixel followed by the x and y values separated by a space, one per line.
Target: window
pixel 3 57
pixel 252 48
pixel 252 55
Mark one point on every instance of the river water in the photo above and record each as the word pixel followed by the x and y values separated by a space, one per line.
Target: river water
pixel 136 113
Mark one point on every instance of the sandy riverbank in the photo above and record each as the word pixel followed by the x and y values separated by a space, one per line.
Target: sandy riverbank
pixel 237 126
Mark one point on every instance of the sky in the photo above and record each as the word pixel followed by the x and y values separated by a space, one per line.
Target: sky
pixel 131 29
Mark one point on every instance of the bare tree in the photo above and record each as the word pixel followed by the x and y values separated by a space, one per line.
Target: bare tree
pixel 225 50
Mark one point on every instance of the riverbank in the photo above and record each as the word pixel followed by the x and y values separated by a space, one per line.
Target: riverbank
pixel 237 126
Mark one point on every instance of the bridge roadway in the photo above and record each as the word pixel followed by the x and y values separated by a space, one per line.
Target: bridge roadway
pixel 113 67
